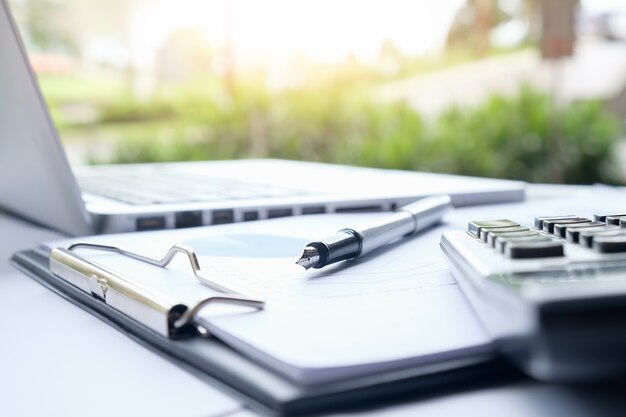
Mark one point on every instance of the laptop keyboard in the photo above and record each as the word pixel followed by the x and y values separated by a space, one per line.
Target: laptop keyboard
pixel 142 188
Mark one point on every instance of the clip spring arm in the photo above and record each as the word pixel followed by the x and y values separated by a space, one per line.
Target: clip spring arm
pixel 213 283
pixel 139 301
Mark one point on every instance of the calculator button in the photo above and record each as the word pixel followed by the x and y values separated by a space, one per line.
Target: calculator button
pixel 539 220
pixel 610 244
pixel 534 249
pixel 573 231
pixel 486 232
pixel 493 237
pixel 475 227
pixel 501 241
pixel 586 238
pixel 548 224
pixel 560 229
pixel 602 217
pixel 614 219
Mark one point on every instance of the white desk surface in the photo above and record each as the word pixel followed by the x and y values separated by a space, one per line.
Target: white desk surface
pixel 57 360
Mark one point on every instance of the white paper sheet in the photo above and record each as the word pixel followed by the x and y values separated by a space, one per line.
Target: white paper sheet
pixel 398 307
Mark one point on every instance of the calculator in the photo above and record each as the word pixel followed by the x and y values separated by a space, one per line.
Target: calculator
pixel 551 294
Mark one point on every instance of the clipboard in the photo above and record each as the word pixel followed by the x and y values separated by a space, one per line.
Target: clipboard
pixel 255 384
pixel 152 306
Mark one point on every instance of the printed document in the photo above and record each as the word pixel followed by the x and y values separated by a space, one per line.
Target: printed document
pixel 394 308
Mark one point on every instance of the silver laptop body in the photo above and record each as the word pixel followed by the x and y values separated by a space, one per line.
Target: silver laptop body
pixel 37 182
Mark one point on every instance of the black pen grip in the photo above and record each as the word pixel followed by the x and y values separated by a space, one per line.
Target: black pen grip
pixel 345 244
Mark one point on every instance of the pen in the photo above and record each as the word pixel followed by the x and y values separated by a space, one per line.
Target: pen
pixel 351 243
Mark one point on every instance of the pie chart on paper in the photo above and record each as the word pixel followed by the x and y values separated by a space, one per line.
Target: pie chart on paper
pixel 248 246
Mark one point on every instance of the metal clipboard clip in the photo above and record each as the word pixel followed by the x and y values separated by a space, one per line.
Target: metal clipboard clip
pixel 160 311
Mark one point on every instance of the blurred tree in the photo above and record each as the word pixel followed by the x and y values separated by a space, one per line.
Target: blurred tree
pixel 472 26
pixel 390 59
pixel 185 55
pixel 532 14
pixel 41 26
pixel 483 24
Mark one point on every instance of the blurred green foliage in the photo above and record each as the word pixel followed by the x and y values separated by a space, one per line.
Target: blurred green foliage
pixel 504 137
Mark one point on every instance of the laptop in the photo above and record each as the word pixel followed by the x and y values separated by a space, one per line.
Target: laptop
pixel 38 184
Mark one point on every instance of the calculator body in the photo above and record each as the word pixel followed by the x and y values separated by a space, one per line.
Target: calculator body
pixel 560 318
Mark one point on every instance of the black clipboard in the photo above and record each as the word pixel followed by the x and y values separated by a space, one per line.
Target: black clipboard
pixel 260 388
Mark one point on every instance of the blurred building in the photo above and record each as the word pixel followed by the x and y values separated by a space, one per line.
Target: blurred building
pixel 186 55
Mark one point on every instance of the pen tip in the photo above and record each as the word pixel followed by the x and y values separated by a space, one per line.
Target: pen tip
pixel 309 258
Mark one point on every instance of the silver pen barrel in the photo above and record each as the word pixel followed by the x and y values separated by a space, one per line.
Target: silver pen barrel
pixel 428 211
pixel 400 223
pixel 350 243
pixel 404 221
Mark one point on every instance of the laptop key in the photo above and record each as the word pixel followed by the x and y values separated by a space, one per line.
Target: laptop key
pixel 141 188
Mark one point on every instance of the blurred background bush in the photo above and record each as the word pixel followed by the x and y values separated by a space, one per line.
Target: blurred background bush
pixel 483 98
pixel 504 137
